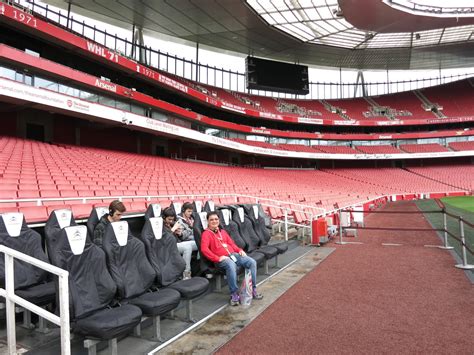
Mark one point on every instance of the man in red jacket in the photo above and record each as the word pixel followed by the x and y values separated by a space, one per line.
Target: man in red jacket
pixel 218 247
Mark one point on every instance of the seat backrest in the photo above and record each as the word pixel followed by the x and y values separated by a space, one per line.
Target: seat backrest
pixel 162 252
pixel 176 207
pixel 246 228
pixel 127 261
pixel 209 206
pixel 94 218
pixel 258 222
pixel 91 287
pixel 226 222
pixel 197 206
pixel 57 220
pixel 200 224
pixel 153 210
pixel 15 234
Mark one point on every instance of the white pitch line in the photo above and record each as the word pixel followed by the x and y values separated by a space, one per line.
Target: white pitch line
pixel 432 246
pixel 391 244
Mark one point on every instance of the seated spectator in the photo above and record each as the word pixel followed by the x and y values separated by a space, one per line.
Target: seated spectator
pixel 184 235
pixel 116 209
pixel 218 247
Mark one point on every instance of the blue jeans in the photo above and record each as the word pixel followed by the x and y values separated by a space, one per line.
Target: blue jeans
pixel 230 269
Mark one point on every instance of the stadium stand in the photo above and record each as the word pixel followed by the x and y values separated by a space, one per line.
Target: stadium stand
pixel 462 145
pixel 73 169
pixel 423 148
pixel 378 149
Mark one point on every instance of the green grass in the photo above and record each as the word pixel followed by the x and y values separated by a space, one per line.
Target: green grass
pixel 460 206
pixel 460 202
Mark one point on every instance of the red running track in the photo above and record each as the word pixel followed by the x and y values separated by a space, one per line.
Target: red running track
pixel 372 299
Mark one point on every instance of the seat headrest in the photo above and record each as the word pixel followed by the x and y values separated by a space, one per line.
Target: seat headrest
pixel 255 211
pixel 76 236
pixel 203 218
pixel 120 229
pixel 240 211
pixel 211 205
pixel 177 207
pixel 226 216
pixel 157 227
pixel 13 222
pixel 156 208
pixel 198 206
pixel 63 216
pixel 101 211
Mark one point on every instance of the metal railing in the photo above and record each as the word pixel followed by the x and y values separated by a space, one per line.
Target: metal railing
pixel 461 239
pixel 11 299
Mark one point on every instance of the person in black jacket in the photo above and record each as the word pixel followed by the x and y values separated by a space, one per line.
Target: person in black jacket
pixel 116 210
pixel 182 230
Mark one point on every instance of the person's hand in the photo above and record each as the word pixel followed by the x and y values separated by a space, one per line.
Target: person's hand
pixel 175 227
pixel 223 257
pixel 242 253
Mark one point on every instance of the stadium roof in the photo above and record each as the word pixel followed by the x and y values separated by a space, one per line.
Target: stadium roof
pixel 361 34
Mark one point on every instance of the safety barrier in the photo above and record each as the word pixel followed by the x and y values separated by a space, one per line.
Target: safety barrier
pixel 461 238
pixel 11 299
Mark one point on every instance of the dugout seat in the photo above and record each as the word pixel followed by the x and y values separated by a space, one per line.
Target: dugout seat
pixel 153 210
pixel 169 265
pixel 134 276
pixel 94 218
pixel 209 206
pixel 207 267
pixel 31 283
pixel 248 234
pixel 176 207
pixel 58 219
pixel 256 216
pixel 91 288
pixel 197 206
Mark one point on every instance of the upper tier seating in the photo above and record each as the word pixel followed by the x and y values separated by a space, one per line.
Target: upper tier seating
pixel 462 145
pixel 336 149
pixel 423 148
pixel 455 98
pixel 378 149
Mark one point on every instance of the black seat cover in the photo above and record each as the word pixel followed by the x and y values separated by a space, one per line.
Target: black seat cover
pixel 209 206
pixel 176 207
pixel 248 233
pixel 200 223
pixel 256 215
pixel 168 263
pixel 30 281
pixel 231 227
pixel 153 210
pixel 198 206
pixel 94 218
pixel 91 288
pixel 130 269
pixel 57 220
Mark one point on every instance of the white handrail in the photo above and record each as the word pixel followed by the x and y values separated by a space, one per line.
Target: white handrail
pixel 11 299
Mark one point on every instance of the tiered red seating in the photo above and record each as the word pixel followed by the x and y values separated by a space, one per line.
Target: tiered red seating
pixel 423 148
pixel 462 145
pixel 106 174
pixel 455 176
pixel 405 101
pixel 354 108
pixel 378 149
pixel 455 98
pixel 336 149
